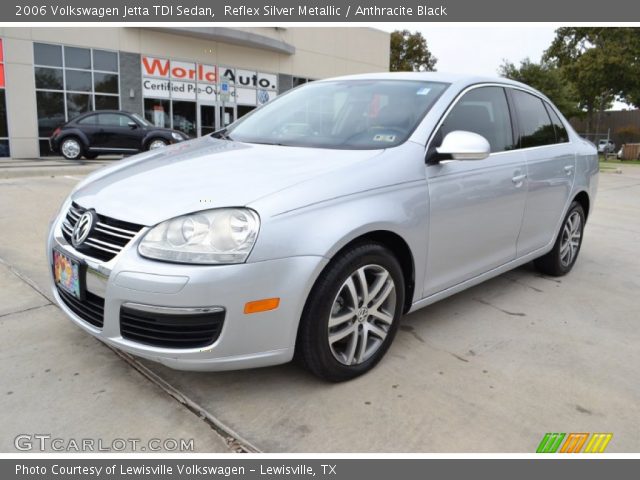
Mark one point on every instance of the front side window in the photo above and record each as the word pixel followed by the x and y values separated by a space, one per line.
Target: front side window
pixel 535 125
pixel 113 120
pixel 484 111
pixel 356 114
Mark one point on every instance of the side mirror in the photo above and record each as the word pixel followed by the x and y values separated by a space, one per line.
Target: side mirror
pixel 461 145
pixel 132 124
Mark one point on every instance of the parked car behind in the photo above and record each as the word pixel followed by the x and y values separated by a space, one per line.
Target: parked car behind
pixel 108 132
pixel 606 146
pixel 310 226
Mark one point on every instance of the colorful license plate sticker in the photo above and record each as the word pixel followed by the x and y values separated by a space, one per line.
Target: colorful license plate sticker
pixel 66 273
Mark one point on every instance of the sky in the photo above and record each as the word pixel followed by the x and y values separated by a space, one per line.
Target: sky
pixel 480 50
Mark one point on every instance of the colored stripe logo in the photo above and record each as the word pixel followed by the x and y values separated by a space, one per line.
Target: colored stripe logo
pixel 574 442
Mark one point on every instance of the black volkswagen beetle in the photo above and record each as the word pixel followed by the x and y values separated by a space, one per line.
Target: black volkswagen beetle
pixel 108 132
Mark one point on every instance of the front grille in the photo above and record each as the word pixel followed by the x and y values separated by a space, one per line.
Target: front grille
pixel 171 331
pixel 91 309
pixel 106 240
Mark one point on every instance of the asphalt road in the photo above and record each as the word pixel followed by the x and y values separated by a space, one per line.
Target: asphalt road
pixel 489 370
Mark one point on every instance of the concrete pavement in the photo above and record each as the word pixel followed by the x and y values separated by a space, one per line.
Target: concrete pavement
pixel 50 166
pixel 55 379
pixel 489 370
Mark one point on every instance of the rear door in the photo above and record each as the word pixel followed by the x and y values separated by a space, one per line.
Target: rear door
pixel 476 206
pixel 550 161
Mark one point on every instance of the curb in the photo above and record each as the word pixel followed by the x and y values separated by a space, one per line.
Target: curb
pixel 21 172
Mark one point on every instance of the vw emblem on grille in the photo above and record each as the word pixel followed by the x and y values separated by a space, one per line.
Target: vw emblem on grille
pixel 83 228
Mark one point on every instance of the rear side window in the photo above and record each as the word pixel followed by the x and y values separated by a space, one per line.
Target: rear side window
pixel 113 120
pixel 534 122
pixel 561 133
pixel 484 111
pixel 90 120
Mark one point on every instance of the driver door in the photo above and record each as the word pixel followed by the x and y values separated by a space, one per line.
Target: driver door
pixel 476 206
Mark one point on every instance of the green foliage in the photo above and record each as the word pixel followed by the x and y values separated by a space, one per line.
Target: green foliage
pixel 409 53
pixel 602 63
pixel 547 78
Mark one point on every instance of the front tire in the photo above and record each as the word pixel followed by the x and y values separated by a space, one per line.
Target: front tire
pixel 71 148
pixel 560 260
pixel 156 143
pixel 352 313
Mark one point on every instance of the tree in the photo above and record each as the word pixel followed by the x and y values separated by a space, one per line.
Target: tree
pixel 409 53
pixel 602 63
pixel 547 78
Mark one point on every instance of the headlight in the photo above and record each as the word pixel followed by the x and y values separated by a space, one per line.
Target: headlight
pixel 223 235
pixel 177 136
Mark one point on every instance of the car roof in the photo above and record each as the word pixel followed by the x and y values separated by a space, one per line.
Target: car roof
pixel 105 111
pixel 459 80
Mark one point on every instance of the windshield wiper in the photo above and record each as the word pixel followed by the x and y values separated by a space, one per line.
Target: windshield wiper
pixel 222 134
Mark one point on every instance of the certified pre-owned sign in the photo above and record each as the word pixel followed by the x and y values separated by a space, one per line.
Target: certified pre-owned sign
pixel 166 78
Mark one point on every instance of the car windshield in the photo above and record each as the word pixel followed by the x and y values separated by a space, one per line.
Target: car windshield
pixel 350 114
pixel 141 120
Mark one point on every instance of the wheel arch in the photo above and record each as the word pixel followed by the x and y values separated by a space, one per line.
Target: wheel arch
pixel 582 198
pixel 154 135
pixel 79 134
pixel 400 249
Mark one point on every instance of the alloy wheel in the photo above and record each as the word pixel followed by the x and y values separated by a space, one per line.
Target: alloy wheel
pixel 71 148
pixel 362 314
pixel 571 236
pixel 157 144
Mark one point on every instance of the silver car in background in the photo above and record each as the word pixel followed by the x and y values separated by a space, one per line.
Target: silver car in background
pixel 310 226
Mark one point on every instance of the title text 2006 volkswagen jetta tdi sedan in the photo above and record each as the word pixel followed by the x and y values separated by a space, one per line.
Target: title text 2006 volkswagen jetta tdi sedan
pixel 307 228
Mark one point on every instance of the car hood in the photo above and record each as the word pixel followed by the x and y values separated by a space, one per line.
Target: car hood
pixel 202 174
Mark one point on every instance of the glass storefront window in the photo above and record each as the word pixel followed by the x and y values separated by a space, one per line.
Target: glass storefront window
pixel 105 82
pixel 105 61
pixel 77 58
pixel 4 130
pixel 107 102
pixel 157 112
pixel 49 78
pixel 77 103
pixel 78 81
pixel 184 117
pixel 84 79
pixel 244 109
pixel 45 54
pixel 50 106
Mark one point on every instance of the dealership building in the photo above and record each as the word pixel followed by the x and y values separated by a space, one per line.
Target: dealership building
pixel 193 79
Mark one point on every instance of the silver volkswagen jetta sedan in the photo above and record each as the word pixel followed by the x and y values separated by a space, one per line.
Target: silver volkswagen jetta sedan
pixel 310 226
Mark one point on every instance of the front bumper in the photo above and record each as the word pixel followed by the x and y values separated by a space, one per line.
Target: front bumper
pixel 245 341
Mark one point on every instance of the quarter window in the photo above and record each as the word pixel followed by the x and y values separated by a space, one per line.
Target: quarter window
pixel 561 131
pixel 484 111
pixel 534 123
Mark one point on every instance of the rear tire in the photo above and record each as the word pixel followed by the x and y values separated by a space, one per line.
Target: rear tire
pixel 561 259
pixel 71 148
pixel 352 313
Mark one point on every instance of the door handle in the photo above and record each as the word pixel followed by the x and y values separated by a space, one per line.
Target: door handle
pixel 519 178
pixel 568 169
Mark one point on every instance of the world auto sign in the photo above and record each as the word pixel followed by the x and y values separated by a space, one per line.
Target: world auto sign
pixel 165 78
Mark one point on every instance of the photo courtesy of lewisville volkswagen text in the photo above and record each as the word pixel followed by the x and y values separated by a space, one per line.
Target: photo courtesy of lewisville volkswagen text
pixel 344 244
